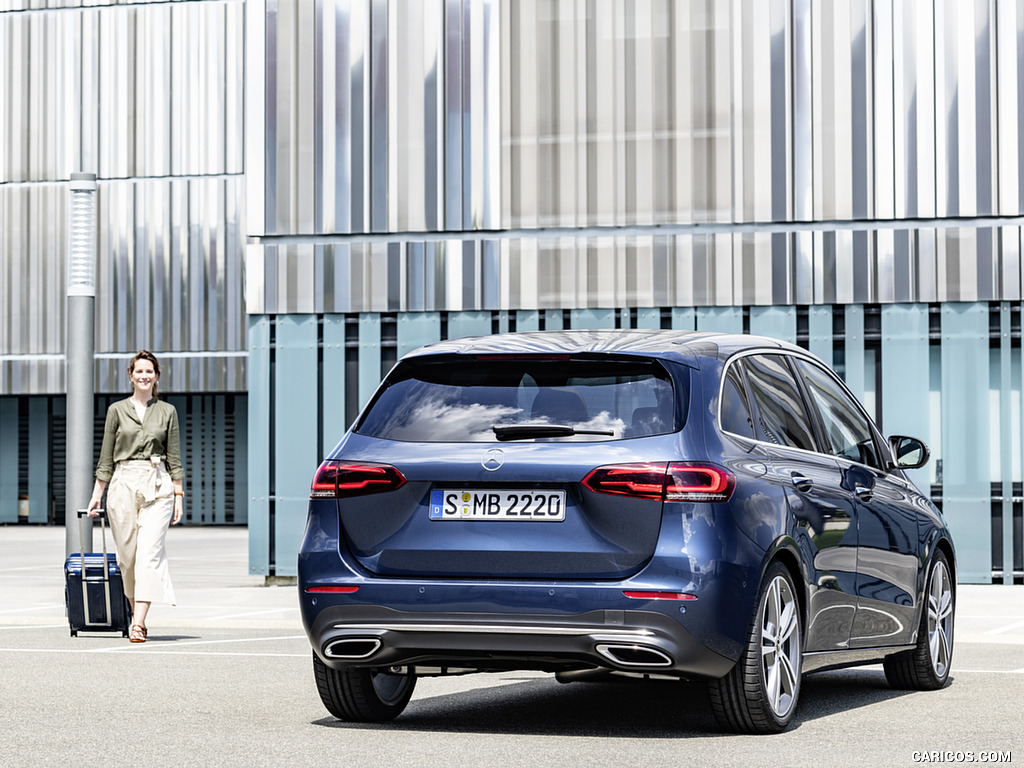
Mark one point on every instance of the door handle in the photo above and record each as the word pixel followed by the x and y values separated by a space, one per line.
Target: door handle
pixel 802 483
pixel 863 493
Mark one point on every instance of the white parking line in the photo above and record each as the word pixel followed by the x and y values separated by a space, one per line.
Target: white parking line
pixel 44 607
pixel 49 567
pixel 151 652
pixel 1006 628
pixel 173 648
pixel 250 613
pixel 205 642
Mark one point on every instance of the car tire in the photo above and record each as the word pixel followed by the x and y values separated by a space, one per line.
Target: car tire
pixel 926 667
pixel 362 695
pixel 761 692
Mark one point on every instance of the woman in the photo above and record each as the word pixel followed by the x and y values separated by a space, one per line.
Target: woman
pixel 141 459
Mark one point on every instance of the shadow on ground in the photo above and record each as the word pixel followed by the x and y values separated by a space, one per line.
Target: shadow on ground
pixel 626 709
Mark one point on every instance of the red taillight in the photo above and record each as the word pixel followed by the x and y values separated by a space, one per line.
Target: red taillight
pixel 332 590
pixel 643 595
pixel 679 481
pixel 336 479
pixel 645 481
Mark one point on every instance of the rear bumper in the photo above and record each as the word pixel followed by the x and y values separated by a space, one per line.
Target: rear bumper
pixel 345 636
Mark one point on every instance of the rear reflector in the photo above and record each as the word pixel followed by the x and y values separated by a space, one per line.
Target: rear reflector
pixel 337 479
pixel 331 590
pixel 641 595
pixel 678 481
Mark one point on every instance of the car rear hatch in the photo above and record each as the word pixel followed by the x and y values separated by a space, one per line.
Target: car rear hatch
pixel 485 467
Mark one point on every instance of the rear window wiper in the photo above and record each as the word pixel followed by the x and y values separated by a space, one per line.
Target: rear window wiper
pixel 525 431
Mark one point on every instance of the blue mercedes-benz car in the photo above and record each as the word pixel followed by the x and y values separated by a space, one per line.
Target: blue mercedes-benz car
pixel 639 503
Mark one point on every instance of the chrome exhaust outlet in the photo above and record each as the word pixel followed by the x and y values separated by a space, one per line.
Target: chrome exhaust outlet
pixel 634 655
pixel 352 648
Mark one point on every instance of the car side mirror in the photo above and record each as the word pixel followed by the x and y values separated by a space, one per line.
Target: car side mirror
pixel 909 452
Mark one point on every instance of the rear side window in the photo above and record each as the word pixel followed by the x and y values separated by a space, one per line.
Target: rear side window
pixel 781 416
pixel 463 399
pixel 735 411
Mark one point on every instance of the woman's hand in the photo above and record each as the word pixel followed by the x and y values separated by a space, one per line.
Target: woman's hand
pixel 97 498
pixel 179 502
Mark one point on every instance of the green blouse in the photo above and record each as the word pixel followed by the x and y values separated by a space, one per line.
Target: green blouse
pixel 126 438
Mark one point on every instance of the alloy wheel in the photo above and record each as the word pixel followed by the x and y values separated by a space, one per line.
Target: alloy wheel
pixel 780 646
pixel 940 619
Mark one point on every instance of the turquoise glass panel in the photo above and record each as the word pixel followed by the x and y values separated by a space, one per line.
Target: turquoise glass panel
pixel 905 379
pixel 819 332
pixel 966 490
pixel 1008 428
pixel 554 320
pixel 648 317
pixel 774 322
pixel 296 455
pixel 527 320
pixel 334 373
pixel 684 319
pixel 260 412
pixel 853 360
pixel 468 324
pixel 416 329
pixel 721 319
pixel 369 356
pixel 592 319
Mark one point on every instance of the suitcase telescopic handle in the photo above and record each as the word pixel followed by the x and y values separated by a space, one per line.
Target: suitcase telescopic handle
pixel 102 514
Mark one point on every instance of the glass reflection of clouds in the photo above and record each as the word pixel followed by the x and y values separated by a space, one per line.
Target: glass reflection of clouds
pixel 450 420
pixel 446 420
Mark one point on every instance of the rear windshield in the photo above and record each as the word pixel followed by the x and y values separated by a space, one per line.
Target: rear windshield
pixel 495 399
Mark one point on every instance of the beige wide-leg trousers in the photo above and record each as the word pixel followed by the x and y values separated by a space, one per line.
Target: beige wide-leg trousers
pixel 140 504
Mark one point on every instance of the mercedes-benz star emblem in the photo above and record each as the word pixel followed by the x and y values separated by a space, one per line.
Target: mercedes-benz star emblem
pixel 493 459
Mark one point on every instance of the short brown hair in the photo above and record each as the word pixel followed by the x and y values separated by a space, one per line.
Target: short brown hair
pixel 145 354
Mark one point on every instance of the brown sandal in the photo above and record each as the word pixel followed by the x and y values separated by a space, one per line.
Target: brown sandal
pixel 137 634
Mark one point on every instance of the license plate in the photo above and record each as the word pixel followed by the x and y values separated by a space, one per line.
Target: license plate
pixel 536 505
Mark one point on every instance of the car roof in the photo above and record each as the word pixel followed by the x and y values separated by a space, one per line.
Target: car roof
pixel 681 346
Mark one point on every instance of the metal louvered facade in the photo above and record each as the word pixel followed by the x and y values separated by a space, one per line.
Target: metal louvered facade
pixel 594 153
pixel 148 96
pixel 293 193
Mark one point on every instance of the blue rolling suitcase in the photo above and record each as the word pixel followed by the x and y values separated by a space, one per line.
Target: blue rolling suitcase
pixel 94 590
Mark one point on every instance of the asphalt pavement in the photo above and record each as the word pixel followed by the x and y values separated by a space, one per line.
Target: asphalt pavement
pixel 225 679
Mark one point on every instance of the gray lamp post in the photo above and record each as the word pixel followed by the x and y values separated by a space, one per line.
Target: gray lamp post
pixel 80 346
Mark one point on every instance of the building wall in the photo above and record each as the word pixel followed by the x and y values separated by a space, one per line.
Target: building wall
pixel 474 155
pixel 827 173
pixel 149 97
pixel 292 193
